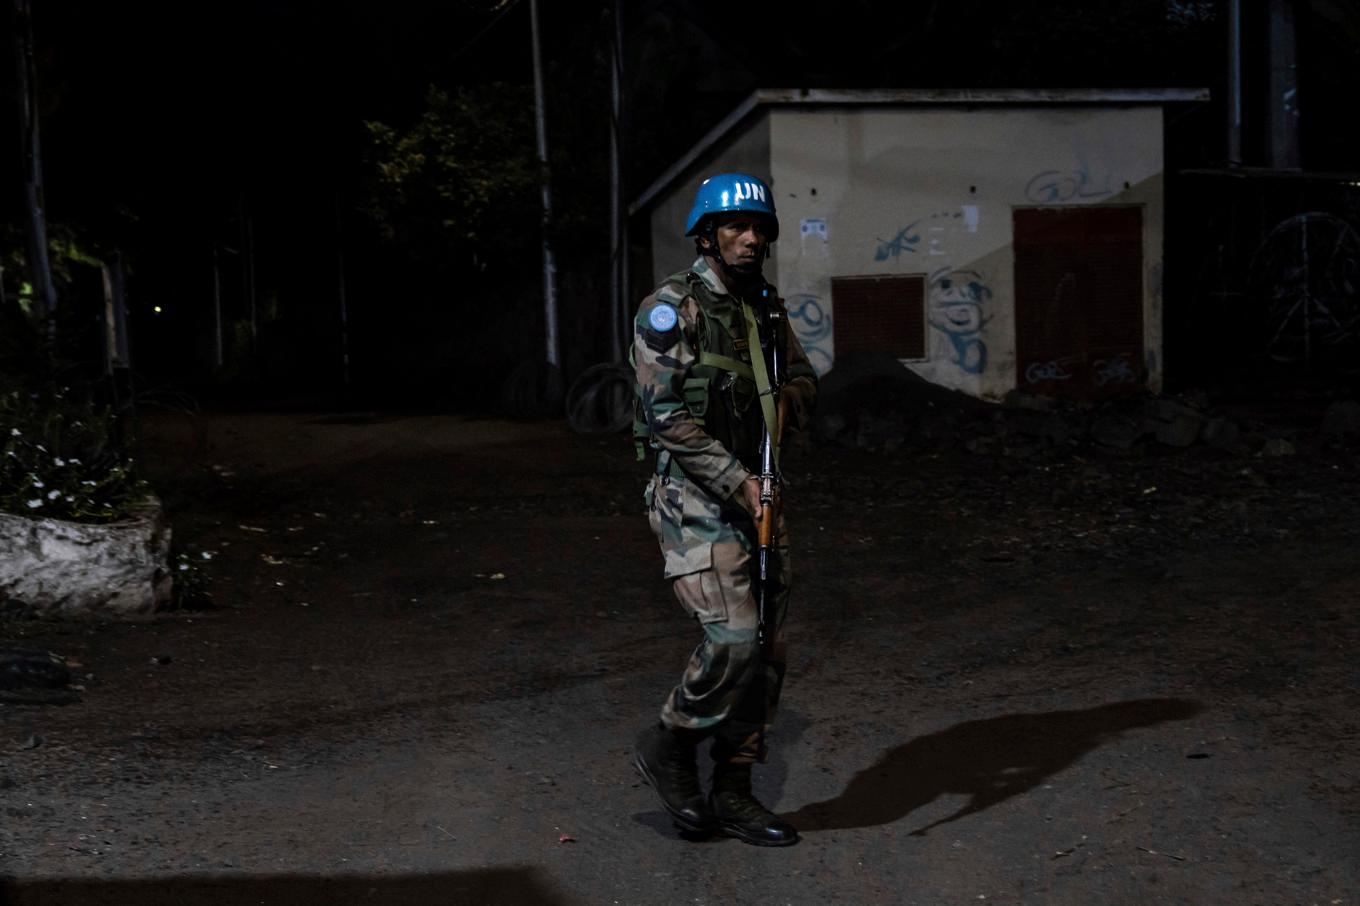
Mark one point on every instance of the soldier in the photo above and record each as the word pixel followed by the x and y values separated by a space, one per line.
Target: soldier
pixel 700 411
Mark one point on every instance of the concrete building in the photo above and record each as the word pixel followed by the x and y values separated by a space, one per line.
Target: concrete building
pixel 987 239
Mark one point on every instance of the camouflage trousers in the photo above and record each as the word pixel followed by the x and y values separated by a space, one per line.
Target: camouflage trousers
pixel 709 548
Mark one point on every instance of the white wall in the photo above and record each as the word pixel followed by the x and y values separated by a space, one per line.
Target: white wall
pixel 931 191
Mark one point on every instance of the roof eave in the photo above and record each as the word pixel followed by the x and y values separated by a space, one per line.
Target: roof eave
pixel 817 97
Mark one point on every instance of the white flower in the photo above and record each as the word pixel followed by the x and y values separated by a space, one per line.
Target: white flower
pixel 37 482
pixel 73 461
pixel 34 503
pixel 41 447
pixel 59 461
pixel 183 567
pixel 89 484
pixel 15 432
pixel 53 494
pixel 207 555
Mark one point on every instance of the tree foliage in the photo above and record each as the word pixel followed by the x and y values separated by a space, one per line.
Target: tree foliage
pixel 463 179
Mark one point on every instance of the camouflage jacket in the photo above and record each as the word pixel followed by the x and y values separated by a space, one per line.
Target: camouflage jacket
pixel 705 417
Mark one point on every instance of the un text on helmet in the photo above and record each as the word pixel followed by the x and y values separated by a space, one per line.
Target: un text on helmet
pixel 745 191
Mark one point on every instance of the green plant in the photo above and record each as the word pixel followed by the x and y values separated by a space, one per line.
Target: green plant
pixel 59 459
pixel 191 581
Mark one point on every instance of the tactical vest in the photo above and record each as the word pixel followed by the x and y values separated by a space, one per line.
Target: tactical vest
pixel 720 392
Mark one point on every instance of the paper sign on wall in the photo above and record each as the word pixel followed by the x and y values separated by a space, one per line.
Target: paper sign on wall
pixel 813 226
pixel 970 218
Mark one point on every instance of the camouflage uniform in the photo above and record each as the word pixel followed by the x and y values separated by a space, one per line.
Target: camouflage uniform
pixel 701 406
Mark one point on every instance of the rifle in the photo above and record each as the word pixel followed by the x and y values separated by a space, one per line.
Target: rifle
pixel 770 325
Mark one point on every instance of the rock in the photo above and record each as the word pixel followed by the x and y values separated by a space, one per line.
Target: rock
pixel 982 444
pixel 26 668
pixel 875 431
pixel 1221 433
pixel 32 677
pixel 830 427
pixel 1342 419
pixel 1056 427
pixel 1120 432
pixel 1174 423
pixel 52 567
pixel 1019 399
pixel 1276 447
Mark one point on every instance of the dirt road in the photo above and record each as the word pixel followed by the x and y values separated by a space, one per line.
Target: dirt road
pixel 1061 678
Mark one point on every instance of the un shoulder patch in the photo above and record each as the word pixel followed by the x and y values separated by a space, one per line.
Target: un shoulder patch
pixel 663 318
pixel 663 327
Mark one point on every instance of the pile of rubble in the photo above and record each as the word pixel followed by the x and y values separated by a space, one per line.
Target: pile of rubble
pixel 873 403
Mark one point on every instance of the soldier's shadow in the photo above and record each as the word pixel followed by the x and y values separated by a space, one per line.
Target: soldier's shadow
pixel 987 760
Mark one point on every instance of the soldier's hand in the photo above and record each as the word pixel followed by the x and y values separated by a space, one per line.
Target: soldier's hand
pixel 749 496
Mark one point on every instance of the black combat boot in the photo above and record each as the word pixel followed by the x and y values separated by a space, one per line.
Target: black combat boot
pixel 665 759
pixel 739 814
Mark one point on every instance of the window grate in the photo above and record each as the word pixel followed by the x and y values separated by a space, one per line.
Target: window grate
pixel 879 314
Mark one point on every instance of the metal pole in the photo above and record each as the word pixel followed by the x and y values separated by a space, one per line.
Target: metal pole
pixel 344 306
pixel 1234 83
pixel 549 267
pixel 110 343
pixel 615 191
pixel 217 308
pixel 249 262
pixel 620 207
pixel 30 153
pixel 1283 109
pixel 123 342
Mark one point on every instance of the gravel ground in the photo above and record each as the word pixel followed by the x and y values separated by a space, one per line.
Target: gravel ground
pixel 1048 674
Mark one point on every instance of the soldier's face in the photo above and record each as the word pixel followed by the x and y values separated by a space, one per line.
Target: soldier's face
pixel 742 242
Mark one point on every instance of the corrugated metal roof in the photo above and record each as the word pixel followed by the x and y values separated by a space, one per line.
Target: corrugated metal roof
pixel 817 97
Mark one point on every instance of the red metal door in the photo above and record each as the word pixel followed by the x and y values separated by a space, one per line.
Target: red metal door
pixel 1079 301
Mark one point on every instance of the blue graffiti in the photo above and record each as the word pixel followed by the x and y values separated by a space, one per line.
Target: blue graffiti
pixel 906 240
pixel 1047 371
pixel 1058 185
pixel 1114 371
pixel 957 299
pixel 909 237
pixel 812 325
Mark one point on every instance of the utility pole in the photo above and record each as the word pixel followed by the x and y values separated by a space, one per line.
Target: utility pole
pixel 1234 83
pixel 30 153
pixel 340 287
pixel 1283 109
pixel 248 278
pixel 218 359
pixel 549 267
pixel 618 217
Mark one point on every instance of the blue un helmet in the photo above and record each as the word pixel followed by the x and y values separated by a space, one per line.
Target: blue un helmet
pixel 728 192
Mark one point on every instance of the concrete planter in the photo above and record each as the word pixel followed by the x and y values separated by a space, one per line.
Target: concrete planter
pixel 50 567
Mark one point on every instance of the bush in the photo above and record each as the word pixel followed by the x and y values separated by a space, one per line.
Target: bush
pixel 59 459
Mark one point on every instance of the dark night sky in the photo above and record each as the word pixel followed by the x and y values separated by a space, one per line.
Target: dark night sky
pixel 182 115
